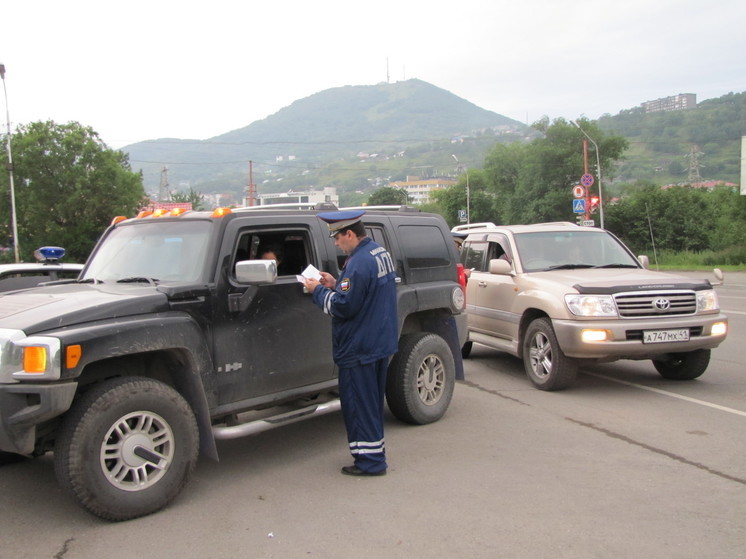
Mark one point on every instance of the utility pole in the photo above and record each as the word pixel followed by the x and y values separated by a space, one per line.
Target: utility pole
pixel 598 170
pixel 13 216
pixel 468 194
pixel 250 199
pixel 585 172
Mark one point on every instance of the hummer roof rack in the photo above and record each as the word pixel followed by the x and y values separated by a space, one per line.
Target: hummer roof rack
pixel 386 208
pixel 326 206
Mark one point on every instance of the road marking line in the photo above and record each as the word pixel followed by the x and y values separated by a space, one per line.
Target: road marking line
pixel 660 451
pixel 671 394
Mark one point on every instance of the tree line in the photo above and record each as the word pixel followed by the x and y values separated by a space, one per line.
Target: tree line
pixel 69 185
pixel 532 182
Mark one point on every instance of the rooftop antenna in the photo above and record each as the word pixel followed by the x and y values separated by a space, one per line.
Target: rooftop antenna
pixel 387 70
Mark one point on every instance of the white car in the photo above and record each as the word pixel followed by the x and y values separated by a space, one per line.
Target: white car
pixel 31 274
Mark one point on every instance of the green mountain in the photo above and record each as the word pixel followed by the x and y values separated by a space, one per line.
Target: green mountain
pixel 330 139
pixel 357 138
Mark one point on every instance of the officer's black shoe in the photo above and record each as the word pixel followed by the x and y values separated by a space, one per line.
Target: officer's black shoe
pixel 355 471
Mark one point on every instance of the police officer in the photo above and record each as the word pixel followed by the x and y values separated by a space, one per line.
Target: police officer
pixel 362 304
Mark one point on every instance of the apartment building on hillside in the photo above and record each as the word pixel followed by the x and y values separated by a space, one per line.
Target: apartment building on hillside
pixel 680 102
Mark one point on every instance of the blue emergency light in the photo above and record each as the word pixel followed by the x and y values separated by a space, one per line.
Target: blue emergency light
pixel 49 254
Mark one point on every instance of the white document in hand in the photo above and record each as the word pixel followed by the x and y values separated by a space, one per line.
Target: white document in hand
pixel 309 273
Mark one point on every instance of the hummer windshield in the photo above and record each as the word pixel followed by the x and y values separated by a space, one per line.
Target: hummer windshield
pixel 158 251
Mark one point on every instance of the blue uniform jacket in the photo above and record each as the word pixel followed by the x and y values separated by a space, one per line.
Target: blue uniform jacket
pixel 362 306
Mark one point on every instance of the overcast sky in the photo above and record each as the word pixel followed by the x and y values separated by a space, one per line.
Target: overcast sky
pixel 140 70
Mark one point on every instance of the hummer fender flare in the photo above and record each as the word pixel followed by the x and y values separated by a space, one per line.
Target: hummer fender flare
pixel 171 331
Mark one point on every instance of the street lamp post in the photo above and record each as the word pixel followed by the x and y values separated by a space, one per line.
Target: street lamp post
pixel 10 170
pixel 598 172
pixel 466 169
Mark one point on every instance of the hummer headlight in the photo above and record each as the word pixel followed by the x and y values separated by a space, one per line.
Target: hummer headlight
pixel 40 358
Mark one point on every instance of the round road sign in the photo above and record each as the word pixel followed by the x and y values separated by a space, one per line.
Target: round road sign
pixel 578 191
pixel 586 179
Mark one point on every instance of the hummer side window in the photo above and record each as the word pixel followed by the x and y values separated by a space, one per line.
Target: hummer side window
pixel 374 232
pixel 289 248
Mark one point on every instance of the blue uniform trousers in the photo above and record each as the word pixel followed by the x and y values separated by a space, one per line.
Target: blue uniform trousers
pixel 361 391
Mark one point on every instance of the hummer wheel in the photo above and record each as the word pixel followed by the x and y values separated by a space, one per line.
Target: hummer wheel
pixel 127 448
pixel 421 379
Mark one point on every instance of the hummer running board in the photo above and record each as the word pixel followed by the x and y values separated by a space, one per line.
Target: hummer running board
pixel 267 423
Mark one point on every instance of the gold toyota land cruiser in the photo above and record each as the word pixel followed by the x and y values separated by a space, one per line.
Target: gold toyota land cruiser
pixel 558 295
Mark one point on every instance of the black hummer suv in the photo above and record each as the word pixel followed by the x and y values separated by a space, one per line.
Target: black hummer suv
pixel 176 334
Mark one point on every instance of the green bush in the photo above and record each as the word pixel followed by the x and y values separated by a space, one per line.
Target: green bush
pixel 733 256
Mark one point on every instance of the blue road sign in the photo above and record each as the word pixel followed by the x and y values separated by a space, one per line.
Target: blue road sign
pixel 578 206
pixel 586 180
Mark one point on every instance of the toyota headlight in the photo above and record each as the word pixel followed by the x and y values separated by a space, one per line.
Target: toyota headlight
pixel 591 305
pixel 707 300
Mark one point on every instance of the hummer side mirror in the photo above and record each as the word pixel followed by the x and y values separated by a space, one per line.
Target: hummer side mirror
pixel 256 271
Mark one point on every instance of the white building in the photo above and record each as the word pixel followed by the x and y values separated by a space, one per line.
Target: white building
pixel 329 194
pixel 420 190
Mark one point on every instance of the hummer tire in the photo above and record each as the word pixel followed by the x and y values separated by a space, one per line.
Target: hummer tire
pixel 127 448
pixel 421 379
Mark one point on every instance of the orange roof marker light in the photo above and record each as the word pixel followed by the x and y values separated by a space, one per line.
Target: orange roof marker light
pixel 118 219
pixel 176 212
pixel 160 212
pixel 220 212
pixel 144 213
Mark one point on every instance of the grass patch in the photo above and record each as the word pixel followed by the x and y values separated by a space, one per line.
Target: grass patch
pixel 732 259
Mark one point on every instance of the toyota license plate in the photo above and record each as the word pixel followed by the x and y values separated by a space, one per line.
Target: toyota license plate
pixel 662 336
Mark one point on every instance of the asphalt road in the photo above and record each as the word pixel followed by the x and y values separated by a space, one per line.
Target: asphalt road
pixel 623 465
